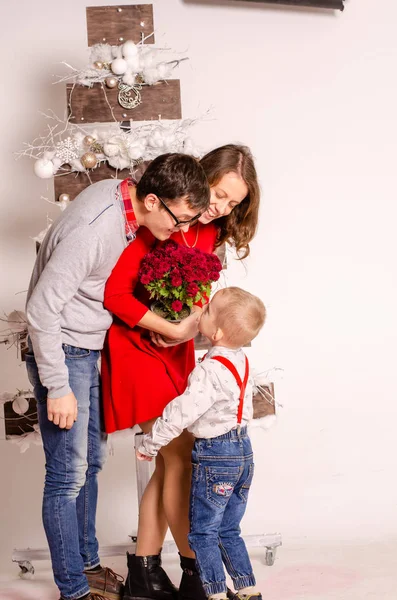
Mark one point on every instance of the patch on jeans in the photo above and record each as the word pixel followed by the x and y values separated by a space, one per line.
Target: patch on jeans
pixel 222 489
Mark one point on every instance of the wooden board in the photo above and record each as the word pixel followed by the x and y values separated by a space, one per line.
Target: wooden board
pixel 264 406
pixel 74 183
pixel 19 424
pixel 88 105
pixel 332 4
pixel 117 24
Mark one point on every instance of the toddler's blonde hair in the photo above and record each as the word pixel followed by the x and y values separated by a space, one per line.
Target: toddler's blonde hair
pixel 240 315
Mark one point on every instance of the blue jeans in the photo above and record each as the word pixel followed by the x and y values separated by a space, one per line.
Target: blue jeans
pixel 222 474
pixel 73 459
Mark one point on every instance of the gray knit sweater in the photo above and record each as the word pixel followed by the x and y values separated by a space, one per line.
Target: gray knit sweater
pixel 65 297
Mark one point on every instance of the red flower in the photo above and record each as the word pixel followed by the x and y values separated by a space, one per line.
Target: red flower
pixel 214 276
pixel 170 266
pixel 176 279
pixel 145 279
pixel 177 305
pixel 192 289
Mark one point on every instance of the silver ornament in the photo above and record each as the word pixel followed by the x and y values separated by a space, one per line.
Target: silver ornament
pixel 125 99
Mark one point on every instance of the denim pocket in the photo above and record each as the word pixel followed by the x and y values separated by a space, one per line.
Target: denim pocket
pixel 40 392
pixel 245 488
pixel 220 482
pixel 74 352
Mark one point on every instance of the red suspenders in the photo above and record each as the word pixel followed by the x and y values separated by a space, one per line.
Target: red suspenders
pixel 241 384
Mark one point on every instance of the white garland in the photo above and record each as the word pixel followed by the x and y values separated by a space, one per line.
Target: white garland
pixel 62 149
pixel 130 63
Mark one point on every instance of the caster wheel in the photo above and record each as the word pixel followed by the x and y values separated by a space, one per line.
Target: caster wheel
pixel 270 556
pixel 27 569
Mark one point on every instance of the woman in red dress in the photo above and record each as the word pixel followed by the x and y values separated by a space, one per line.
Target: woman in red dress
pixel 140 377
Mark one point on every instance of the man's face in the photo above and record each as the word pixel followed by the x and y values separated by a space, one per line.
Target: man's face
pixel 162 224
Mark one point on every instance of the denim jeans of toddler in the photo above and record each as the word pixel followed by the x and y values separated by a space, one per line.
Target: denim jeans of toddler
pixel 222 474
pixel 73 459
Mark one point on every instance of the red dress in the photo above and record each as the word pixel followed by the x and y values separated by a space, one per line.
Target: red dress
pixel 138 377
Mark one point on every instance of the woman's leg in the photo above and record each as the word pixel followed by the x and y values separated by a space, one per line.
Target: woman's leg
pixel 176 489
pixel 152 523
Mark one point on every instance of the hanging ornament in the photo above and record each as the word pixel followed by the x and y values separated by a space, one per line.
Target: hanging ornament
pixel 66 150
pixel 43 168
pixel 125 99
pixel 63 198
pixel 98 64
pixel 89 160
pixel 88 140
pixel 129 49
pixel 20 405
pixel 16 321
pixel 119 66
pixel 111 82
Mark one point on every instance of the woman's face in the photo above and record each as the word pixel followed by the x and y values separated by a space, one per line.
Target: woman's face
pixel 230 190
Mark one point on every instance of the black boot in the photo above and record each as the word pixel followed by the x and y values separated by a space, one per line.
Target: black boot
pixel 190 587
pixel 147 580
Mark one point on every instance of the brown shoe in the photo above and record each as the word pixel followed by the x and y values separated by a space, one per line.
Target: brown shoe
pixel 236 596
pixel 105 583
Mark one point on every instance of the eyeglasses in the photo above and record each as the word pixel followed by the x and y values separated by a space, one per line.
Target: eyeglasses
pixel 179 223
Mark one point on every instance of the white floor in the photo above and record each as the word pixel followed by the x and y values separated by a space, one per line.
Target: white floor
pixel 366 571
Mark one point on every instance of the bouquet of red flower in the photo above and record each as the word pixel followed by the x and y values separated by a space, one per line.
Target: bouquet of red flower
pixel 178 277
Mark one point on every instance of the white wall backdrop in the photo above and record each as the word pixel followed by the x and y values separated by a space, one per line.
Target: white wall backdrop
pixel 314 95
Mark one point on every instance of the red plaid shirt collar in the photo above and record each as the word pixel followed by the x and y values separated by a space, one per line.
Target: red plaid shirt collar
pixel 131 224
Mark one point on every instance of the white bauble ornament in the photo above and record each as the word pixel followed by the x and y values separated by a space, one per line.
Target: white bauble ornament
pixel 43 168
pixel 64 198
pixel 20 405
pixel 129 49
pixel 111 82
pixel 119 66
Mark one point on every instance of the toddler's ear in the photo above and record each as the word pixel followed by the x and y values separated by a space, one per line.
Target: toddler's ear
pixel 218 335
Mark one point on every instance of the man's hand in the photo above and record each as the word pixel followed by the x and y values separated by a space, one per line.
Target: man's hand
pixel 62 411
pixel 141 456
pixel 180 332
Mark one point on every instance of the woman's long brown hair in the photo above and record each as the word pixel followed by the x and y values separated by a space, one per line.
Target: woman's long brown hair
pixel 239 227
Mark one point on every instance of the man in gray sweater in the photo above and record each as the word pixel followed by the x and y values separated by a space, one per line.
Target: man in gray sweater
pixel 67 325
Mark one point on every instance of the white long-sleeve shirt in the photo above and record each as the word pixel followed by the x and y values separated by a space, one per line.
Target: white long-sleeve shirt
pixel 208 406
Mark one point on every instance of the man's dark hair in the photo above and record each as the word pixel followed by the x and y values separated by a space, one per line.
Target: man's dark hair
pixel 172 176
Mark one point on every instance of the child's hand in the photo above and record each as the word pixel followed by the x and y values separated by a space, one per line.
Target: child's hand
pixel 141 456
